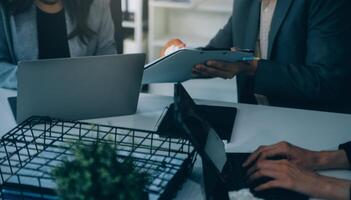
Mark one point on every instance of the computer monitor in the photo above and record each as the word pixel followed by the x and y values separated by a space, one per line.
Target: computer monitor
pixel 206 142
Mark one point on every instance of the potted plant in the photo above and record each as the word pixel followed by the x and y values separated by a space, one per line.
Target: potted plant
pixel 95 173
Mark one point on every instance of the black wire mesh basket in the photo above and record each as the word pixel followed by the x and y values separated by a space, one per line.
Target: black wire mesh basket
pixel 30 151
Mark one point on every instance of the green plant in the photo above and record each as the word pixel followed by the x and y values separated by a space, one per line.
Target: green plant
pixel 96 174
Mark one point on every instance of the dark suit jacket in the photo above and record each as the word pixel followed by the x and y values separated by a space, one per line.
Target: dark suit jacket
pixel 309 63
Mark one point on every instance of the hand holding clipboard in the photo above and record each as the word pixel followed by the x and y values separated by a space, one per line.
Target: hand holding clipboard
pixel 179 65
pixel 227 70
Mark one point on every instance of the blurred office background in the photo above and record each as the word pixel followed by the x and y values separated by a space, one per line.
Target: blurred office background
pixel 148 24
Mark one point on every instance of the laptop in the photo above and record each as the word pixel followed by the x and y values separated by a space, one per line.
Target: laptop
pixel 222 171
pixel 79 88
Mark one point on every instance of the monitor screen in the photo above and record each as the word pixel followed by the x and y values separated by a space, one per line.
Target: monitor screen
pixel 202 134
pixel 206 142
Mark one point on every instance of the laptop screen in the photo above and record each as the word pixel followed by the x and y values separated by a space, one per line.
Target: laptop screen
pixel 211 149
pixel 205 140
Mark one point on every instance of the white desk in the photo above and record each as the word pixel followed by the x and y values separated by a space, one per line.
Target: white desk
pixel 254 126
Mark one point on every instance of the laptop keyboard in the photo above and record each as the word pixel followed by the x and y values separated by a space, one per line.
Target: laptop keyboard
pixel 236 179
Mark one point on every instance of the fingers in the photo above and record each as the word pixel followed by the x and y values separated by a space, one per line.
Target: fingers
pixel 181 45
pixel 211 72
pixel 277 170
pixel 174 42
pixel 264 152
pixel 273 152
pixel 264 173
pixel 268 165
pixel 219 65
pixel 269 185
pixel 216 69
pixel 284 175
pixel 178 43
pixel 197 74
pixel 253 157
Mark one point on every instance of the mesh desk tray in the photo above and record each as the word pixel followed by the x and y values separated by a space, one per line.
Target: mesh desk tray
pixel 29 152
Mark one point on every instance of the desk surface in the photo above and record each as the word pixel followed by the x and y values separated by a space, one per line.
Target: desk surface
pixel 255 125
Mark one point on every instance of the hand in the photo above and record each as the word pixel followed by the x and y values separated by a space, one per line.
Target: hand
pixel 174 42
pixel 299 156
pixel 287 175
pixel 224 70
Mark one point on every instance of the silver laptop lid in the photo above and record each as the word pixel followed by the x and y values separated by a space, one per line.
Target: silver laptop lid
pixel 80 88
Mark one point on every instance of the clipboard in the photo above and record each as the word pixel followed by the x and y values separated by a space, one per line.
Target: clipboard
pixel 177 67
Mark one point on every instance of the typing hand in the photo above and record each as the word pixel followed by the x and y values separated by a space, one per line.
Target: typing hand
pixel 174 43
pixel 283 174
pixel 287 175
pixel 224 70
pixel 299 156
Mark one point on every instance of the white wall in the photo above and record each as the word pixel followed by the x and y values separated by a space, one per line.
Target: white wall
pixel 195 25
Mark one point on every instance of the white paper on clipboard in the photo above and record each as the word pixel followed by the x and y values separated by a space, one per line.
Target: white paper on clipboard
pixel 177 67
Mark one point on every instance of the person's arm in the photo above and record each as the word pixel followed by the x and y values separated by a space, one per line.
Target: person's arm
pixel 332 160
pixel 331 188
pixel 292 173
pixel 312 160
pixel 106 39
pixel 326 74
pixel 8 71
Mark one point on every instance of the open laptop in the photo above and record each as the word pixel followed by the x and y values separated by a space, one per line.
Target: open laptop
pixel 79 88
pixel 222 171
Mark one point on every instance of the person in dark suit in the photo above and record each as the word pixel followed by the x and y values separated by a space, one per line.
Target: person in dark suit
pixel 296 172
pixel 302 48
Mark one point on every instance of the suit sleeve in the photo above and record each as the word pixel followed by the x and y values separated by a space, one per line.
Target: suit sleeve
pixel 8 71
pixel 223 38
pixel 325 76
pixel 106 44
pixel 347 148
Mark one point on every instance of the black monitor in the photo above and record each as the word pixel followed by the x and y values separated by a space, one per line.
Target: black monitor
pixel 206 142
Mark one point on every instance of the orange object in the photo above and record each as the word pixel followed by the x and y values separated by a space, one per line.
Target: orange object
pixel 174 42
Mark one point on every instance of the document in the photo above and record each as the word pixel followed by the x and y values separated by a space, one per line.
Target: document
pixel 177 67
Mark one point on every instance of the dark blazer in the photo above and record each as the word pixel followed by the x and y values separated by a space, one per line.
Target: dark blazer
pixel 309 59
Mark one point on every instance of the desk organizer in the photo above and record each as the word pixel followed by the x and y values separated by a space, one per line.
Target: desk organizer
pixel 30 151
